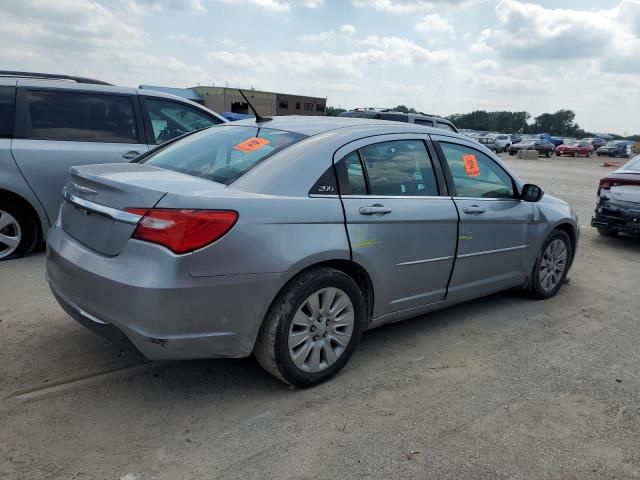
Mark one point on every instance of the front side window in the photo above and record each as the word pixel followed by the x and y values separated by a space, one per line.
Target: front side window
pixel 396 168
pixel 475 175
pixel 7 110
pixel 224 153
pixel 171 119
pixel 82 117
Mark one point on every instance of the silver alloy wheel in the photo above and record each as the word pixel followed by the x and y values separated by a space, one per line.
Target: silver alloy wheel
pixel 10 234
pixel 321 330
pixel 553 264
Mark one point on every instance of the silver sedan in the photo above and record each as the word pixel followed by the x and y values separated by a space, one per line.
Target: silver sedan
pixel 290 237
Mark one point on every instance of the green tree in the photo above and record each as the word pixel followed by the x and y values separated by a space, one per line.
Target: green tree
pixel 333 111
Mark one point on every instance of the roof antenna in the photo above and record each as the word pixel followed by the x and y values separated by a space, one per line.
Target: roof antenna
pixel 259 118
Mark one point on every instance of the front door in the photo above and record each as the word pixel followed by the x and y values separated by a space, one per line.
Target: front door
pixel 494 222
pixel 402 231
pixel 61 129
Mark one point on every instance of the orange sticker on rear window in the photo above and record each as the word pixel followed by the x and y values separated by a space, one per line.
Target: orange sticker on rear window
pixel 252 144
pixel 471 165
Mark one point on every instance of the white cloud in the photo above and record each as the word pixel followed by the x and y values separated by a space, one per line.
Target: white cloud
pixel 271 5
pixel 486 64
pixel 344 33
pixel 405 52
pixel 409 7
pixel 241 60
pixel 532 31
pixel 348 28
pixel 163 5
pixel 434 24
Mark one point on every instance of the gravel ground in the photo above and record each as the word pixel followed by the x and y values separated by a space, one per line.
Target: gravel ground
pixel 502 387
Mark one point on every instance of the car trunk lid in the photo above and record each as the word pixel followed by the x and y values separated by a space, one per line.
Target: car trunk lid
pixel 97 196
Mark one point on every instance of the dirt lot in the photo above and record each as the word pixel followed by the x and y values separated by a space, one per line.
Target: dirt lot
pixel 502 387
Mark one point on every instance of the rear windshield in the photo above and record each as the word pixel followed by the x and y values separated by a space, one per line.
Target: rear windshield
pixel 632 166
pixel 222 153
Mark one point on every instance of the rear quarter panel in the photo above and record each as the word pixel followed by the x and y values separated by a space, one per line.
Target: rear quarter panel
pixel 273 234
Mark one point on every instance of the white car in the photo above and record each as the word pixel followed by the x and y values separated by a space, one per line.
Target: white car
pixel 503 142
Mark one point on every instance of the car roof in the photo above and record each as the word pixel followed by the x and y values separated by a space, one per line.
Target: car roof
pixel 315 125
pixel 71 85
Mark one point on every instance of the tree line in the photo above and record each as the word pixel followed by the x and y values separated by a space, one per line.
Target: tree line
pixel 561 123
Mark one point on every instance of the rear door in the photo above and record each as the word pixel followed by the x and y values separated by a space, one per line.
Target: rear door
pixel 57 129
pixel 494 222
pixel 401 225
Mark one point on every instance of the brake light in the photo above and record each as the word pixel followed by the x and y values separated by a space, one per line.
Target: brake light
pixel 182 231
pixel 605 184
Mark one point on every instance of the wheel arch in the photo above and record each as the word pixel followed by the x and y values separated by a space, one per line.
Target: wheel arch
pixel 356 271
pixel 9 196
pixel 570 230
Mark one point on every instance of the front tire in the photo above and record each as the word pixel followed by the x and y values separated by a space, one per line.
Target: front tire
pixel 552 266
pixel 312 328
pixel 18 232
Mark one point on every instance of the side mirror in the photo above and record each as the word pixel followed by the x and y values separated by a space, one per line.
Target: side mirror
pixel 531 193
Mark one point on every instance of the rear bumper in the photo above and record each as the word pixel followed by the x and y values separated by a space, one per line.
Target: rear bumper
pixel 144 302
pixel 617 220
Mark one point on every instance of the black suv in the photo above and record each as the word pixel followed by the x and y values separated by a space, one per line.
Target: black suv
pixel 417 118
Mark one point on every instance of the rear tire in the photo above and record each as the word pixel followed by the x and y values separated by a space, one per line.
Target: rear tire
pixel 556 254
pixel 18 232
pixel 312 328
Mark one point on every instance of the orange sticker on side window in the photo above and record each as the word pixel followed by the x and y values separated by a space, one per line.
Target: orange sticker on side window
pixel 471 165
pixel 252 144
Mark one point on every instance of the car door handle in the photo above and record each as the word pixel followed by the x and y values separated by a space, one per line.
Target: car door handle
pixel 474 210
pixel 131 154
pixel 376 209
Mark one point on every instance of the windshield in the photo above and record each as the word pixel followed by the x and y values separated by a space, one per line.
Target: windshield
pixel 572 144
pixel 613 143
pixel 223 153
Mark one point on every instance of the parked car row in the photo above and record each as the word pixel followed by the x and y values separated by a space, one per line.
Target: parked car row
pixel 48 125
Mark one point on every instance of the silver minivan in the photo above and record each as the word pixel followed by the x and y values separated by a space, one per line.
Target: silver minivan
pixel 49 123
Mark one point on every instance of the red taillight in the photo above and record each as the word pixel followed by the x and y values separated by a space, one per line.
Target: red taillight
pixel 605 184
pixel 182 231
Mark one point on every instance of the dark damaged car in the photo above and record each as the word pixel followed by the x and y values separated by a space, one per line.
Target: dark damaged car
pixel 618 208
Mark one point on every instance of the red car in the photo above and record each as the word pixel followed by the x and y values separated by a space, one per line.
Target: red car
pixel 574 149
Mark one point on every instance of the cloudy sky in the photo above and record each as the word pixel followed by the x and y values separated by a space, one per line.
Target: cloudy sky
pixel 440 56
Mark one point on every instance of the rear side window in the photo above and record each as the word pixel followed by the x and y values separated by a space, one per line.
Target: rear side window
pixel 222 154
pixel 7 110
pixel 172 119
pixel 396 168
pixel 445 126
pixel 420 121
pixel 82 117
pixel 394 117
